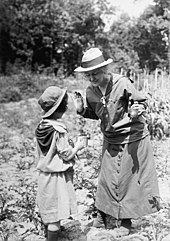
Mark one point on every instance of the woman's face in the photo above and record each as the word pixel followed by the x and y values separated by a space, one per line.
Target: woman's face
pixel 96 77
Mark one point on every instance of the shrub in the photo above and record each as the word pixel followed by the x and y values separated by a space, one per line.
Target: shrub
pixel 9 94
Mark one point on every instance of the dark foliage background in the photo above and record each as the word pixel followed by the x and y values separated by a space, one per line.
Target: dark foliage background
pixel 52 35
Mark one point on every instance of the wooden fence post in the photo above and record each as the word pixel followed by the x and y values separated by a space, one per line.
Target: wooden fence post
pixel 156 78
pixel 138 81
pixel 162 79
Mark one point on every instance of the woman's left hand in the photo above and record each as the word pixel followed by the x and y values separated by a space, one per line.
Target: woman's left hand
pixel 138 107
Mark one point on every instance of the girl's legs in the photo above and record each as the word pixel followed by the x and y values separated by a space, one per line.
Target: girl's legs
pixel 52 232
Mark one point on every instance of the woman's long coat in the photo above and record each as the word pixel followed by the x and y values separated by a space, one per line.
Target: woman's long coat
pixel 127 184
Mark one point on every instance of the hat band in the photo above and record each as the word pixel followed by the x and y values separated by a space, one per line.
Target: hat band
pixel 93 62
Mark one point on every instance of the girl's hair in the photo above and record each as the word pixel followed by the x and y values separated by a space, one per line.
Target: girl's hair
pixel 61 108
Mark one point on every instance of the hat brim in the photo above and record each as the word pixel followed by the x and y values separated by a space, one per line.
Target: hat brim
pixel 81 69
pixel 54 108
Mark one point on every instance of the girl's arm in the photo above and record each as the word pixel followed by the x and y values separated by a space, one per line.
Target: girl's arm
pixel 70 152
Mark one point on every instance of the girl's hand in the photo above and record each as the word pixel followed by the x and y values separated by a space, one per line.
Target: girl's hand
pixel 69 153
pixel 78 101
pixel 66 153
pixel 81 142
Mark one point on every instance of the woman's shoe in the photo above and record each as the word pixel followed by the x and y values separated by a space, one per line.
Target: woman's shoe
pixel 124 228
pixel 100 221
pixel 126 223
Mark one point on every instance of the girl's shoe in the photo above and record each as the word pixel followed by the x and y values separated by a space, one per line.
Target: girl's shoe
pixel 53 236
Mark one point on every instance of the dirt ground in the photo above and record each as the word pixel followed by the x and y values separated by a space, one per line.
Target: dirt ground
pixel 16 165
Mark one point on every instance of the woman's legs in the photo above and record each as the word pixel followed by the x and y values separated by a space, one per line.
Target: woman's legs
pixel 127 223
pixel 100 221
pixel 52 231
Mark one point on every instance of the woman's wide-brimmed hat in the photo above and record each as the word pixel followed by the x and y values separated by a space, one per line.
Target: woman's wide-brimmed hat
pixel 92 59
pixel 51 99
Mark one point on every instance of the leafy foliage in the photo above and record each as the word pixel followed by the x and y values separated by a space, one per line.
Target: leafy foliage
pixel 150 32
pixel 19 217
pixel 53 35
pixel 121 41
pixel 49 33
pixel 24 85
pixel 158 119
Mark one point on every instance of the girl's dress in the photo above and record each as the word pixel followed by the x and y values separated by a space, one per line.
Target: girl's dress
pixel 56 197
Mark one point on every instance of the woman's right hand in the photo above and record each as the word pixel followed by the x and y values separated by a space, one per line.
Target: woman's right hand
pixel 78 101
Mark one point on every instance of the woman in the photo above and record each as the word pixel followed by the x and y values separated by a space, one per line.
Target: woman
pixel 127 184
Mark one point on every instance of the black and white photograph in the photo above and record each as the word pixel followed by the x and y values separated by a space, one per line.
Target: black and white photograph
pixel 84 120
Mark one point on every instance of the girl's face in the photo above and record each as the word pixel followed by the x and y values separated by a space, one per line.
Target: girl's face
pixel 96 77
pixel 61 109
pixel 57 115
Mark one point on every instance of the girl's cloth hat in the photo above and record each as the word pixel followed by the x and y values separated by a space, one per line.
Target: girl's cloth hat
pixel 92 59
pixel 51 99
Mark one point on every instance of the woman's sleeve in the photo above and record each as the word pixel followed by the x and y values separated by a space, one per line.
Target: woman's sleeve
pixel 132 94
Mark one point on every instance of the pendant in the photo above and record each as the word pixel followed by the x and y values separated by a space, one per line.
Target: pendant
pixel 103 100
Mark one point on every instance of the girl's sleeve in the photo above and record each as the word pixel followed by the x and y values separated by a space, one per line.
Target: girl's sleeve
pixel 63 147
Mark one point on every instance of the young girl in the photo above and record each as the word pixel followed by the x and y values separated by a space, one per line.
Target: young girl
pixel 55 196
